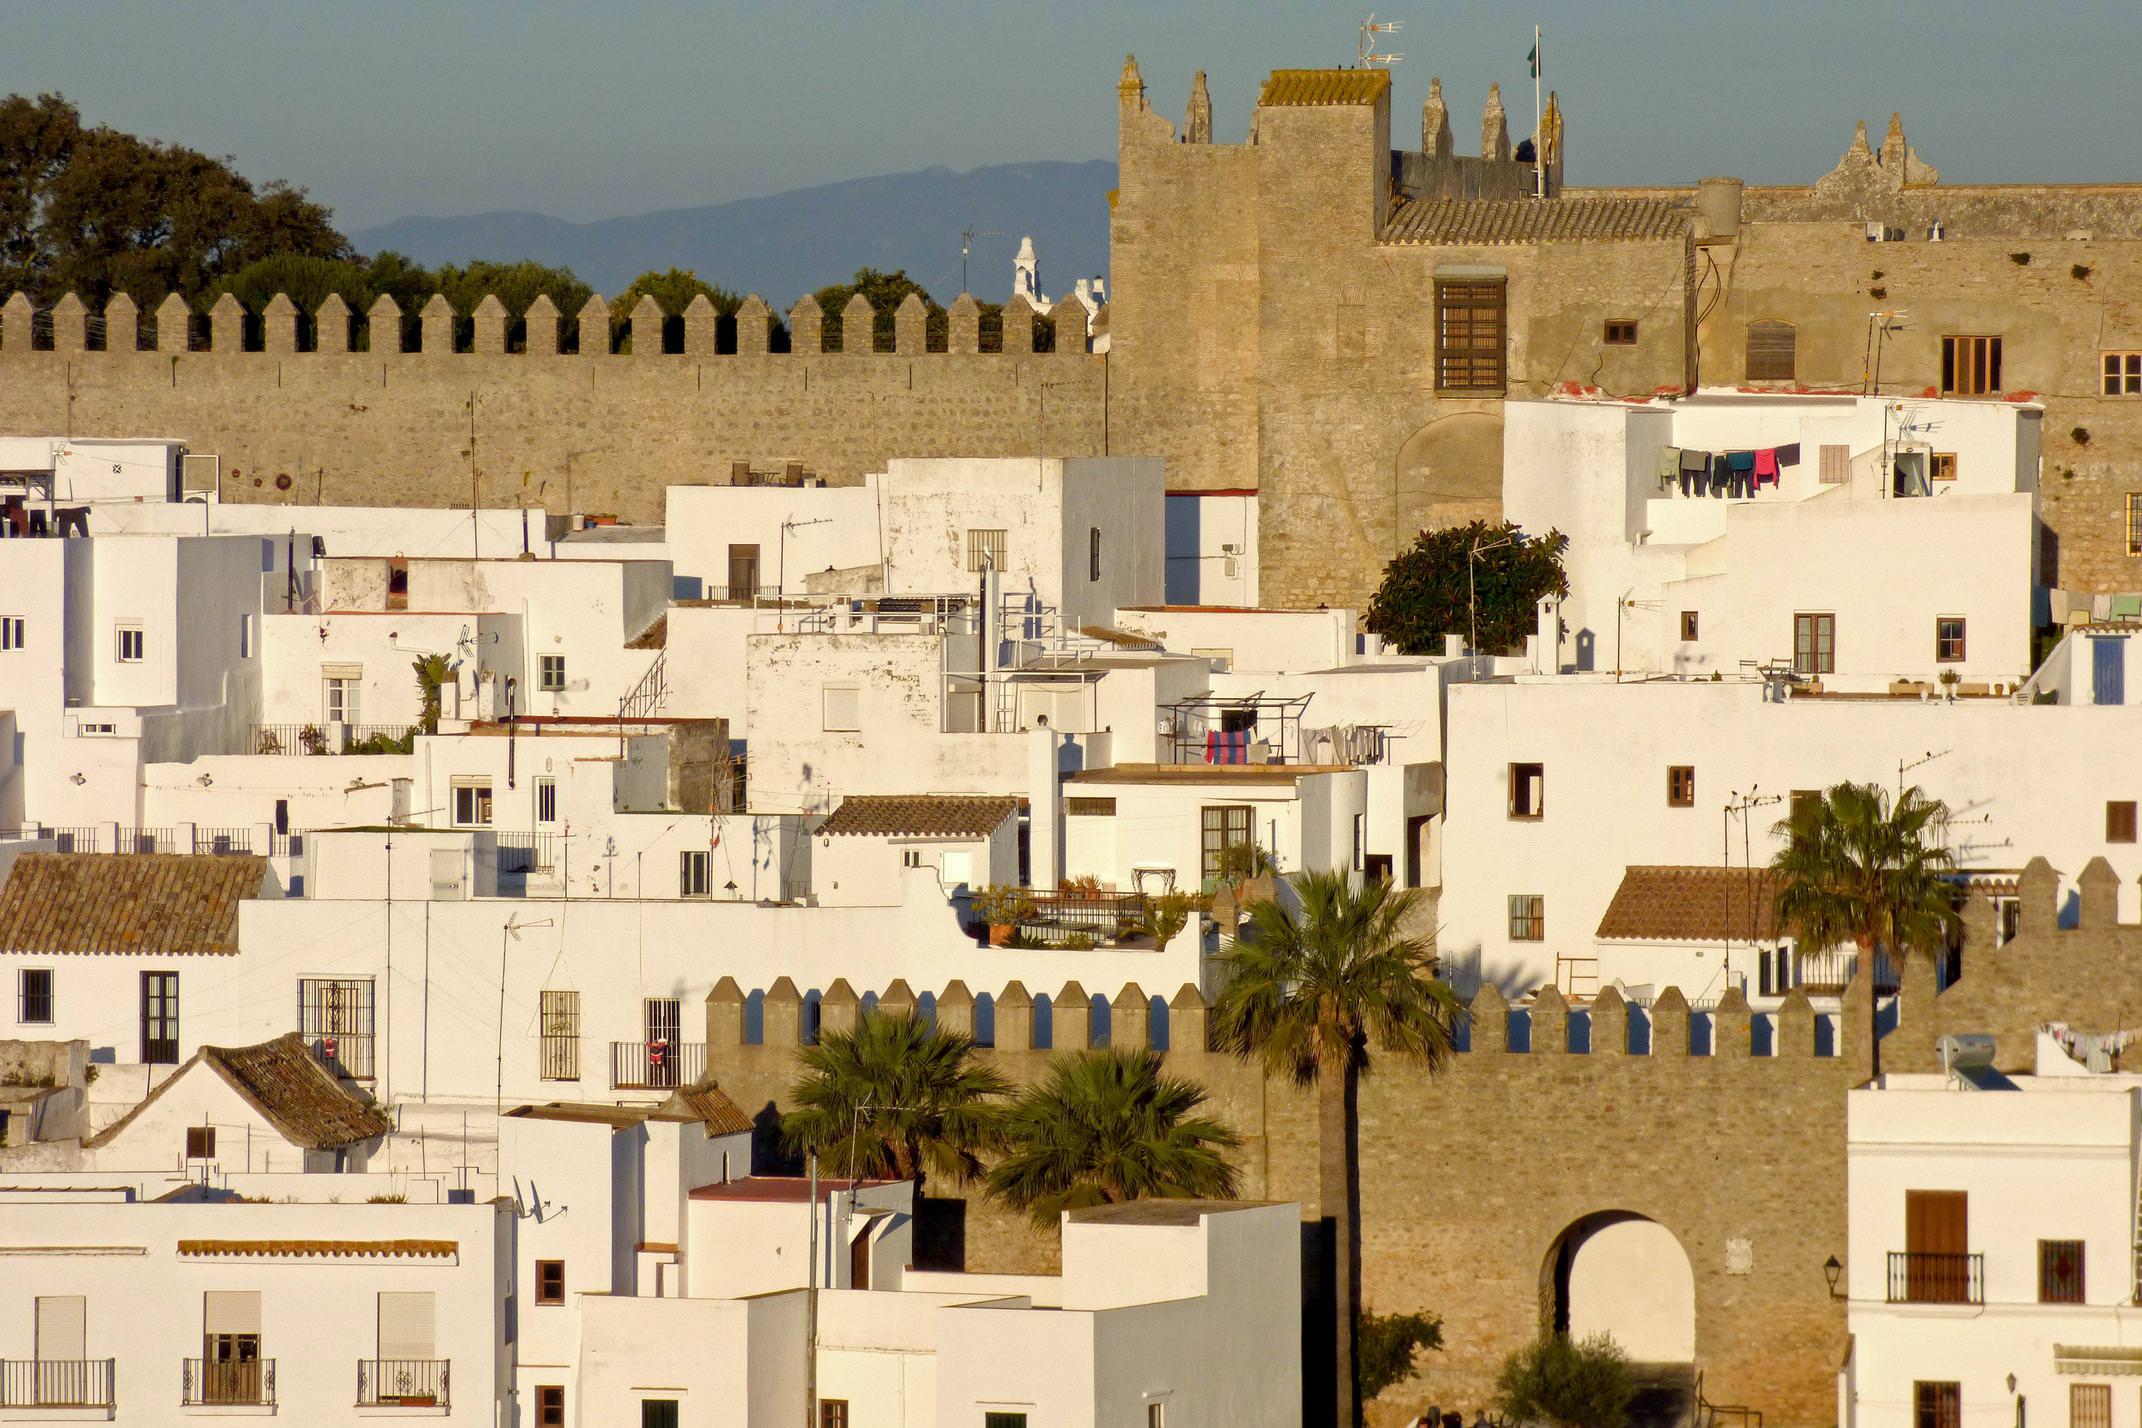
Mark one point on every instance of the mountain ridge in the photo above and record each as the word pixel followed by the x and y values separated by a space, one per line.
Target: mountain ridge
pixel 783 245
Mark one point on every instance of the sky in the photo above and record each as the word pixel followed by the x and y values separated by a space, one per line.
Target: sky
pixel 594 108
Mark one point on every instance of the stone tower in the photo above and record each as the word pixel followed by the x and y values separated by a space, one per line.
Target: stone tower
pixel 1197 123
pixel 1494 127
pixel 1435 123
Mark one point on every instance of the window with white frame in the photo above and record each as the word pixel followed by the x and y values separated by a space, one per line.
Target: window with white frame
pixel 338 698
pixel 472 802
pixel 546 800
pixel 910 857
pixel 695 873
pixel 10 633
pixel 550 673
pixel 843 708
pixel 33 996
pixel 132 644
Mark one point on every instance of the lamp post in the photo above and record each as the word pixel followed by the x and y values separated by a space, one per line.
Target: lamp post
pixel 1832 1271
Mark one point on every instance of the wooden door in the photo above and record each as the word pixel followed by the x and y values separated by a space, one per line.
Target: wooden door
pixel 1937 1241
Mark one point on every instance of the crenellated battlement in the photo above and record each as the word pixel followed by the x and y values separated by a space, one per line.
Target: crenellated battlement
pixel 488 329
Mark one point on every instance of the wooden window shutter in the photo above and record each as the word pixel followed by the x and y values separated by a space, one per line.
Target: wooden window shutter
pixel 1773 349
pixel 1836 465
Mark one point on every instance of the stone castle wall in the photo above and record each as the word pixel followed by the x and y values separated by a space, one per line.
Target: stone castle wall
pixel 1470 1177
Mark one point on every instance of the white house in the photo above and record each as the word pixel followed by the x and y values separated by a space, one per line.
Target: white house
pixel 41 474
pixel 1212 548
pixel 1990 1268
pixel 1821 533
pixel 1156 828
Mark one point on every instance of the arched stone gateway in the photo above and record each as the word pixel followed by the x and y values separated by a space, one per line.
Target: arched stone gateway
pixel 1626 1276
pixel 1447 473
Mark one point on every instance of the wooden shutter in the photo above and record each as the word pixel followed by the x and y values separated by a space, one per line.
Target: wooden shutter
pixel 1773 349
pixel 1470 335
pixel 1836 465
pixel 1936 1221
pixel 62 1327
pixel 405 1325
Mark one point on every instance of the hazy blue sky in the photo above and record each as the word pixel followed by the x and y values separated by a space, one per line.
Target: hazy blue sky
pixel 588 108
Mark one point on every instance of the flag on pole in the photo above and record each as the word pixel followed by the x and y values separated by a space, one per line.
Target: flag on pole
pixel 1532 60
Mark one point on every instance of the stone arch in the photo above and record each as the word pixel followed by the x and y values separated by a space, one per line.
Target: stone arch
pixel 1447 473
pixel 1623 1274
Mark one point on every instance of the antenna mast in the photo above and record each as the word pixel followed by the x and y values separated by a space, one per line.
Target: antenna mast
pixel 1365 51
pixel 967 236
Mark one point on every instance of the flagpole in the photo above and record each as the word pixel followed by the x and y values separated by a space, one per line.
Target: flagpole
pixel 1539 140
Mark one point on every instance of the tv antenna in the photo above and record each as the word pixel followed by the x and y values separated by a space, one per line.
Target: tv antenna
pixel 967 236
pixel 1365 52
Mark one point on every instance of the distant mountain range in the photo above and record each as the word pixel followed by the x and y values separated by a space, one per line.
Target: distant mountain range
pixel 787 244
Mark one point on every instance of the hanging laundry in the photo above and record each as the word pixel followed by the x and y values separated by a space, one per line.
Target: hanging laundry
pixel 1789 455
pixel 1721 473
pixel 1695 472
pixel 1766 467
pixel 1227 746
pixel 1669 467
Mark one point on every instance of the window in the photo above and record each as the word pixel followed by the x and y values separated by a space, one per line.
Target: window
pixel 1528 917
pixel 1814 644
pixel 2120 822
pixel 335 1020
pixel 843 709
pixel 695 872
pixel 1937 1405
pixel 230 1334
pixel 33 996
pixel 2060 1271
pixel 550 1281
pixel 1688 624
pixel 1469 332
pixel 2134 522
pixel 1970 366
pixel 1224 826
pixel 2007 920
pixel 340 698
pixel 1003 1420
pixel 1773 351
pixel 131 644
pixel 159 1018
pixel 658 1413
pixel 550 673
pixel 1620 332
pixel 985 550
pixel 2089 1405
pixel 743 572
pixel 407 1319
pixel 546 800
pixel 200 1142
pixel 1360 835
pixel 550 1405
pixel 832 1413
pixel 1090 807
pixel 10 633
pixel 1681 786
pixel 472 803
pixel 2123 374
pixel 1528 790
pixel 1948 639
pixel 1836 465
pixel 397 583
pixel 1093 553
pixel 559 1016
pixel 910 857
pixel 245 636
pixel 1944 466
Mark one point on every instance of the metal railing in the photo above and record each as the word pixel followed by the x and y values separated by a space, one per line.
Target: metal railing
pixel 1068 915
pixel 403 1383
pixel 1830 970
pixel 206 1382
pixel 346 1053
pixel 1924 1277
pixel 656 1065
pixel 332 738
pixel 222 840
pixel 293 738
pixel 650 694
pixel 520 854
pixel 56 1383
pixel 287 845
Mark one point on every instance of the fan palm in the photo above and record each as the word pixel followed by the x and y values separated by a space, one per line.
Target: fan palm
pixel 1857 871
pixel 1105 1127
pixel 1309 992
pixel 896 1099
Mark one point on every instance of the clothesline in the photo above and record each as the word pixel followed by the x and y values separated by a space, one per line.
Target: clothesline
pixel 1736 474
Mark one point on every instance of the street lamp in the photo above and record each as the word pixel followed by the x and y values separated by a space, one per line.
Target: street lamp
pixel 1831 1271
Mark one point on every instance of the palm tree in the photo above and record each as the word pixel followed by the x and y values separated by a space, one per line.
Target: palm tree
pixel 1106 1127
pixel 1309 991
pixel 896 1099
pixel 1856 870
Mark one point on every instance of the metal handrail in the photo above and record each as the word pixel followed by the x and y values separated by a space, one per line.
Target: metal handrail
pixel 248 1383
pixel 1928 1277
pixel 403 1383
pixel 57 1383
pixel 656 1065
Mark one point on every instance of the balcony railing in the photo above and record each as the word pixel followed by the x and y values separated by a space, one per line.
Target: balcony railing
pixel 223 840
pixel 346 1053
pixel 56 1383
pixel 332 738
pixel 1921 1277
pixel 521 854
pixel 656 1065
pixel 204 1382
pixel 402 1383
pixel 1828 971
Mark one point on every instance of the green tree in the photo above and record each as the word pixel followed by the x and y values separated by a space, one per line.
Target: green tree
pixel 37 138
pixel 308 281
pixel 1388 1344
pixel 517 285
pixel 1856 871
pixel 1309 991
pixel 1429 591
pixel 885 292
pixel 1105 1127
pixel 672 290
pixel 896 1099
pixel 1580 1384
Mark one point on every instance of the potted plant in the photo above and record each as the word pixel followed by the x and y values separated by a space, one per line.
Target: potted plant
pixel 1162 917
pixel 1003 906
pixel 1949 680
pixel 313 738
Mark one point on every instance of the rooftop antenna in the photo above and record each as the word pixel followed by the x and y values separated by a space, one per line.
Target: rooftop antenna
pixel 967 236
pixel 1904 767
pixel 1365 50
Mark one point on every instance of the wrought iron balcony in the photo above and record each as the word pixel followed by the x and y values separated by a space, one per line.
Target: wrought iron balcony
pixel 1921 1277
pixel 56 1383
pixel 656 1065
pixel 402 1383
pixel 204 1382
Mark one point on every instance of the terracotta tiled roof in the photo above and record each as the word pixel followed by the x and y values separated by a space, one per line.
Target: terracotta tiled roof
pixel 148 904
pixel 779 1189
pixel 654 637
pixel 1464 221
pixel 1691 904
pixel 282 1080
pixel 904 815
pixel 1311 87
pixel 337 1249
pixel 710 1107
